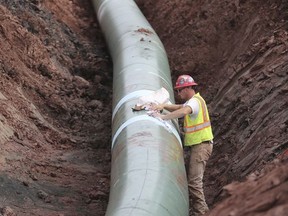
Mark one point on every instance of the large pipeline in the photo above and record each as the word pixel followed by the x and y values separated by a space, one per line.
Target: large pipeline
pixel 147 171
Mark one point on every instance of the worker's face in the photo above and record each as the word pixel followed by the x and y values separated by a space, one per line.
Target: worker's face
pixel 182 93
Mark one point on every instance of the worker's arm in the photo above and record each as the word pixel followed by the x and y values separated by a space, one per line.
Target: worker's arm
pixel 169 107
pixel 179 113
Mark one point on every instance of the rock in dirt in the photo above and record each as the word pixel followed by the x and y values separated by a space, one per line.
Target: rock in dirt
pixel 95 104
pixel 80 82
pixel 7 211
pixel 44 196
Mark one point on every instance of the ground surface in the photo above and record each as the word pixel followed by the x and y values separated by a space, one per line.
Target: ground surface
pixel 55 102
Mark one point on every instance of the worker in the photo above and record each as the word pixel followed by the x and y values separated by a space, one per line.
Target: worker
pixel 197 135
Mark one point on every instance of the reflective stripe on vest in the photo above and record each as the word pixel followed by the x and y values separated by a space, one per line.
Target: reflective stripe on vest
pixel 197 127
pixel 205 124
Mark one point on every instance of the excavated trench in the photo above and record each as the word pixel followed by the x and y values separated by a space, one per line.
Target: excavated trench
pixel 56 92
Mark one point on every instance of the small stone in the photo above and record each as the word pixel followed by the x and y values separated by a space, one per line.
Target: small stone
pixel 81 82
pixel 53 175
pixel 2 97
pixel 42 195
pixel 33 177
pixel 7 211
pixel 95 195
pixel 95 104
pixel 25 183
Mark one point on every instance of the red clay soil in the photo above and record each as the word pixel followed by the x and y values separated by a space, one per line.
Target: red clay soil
pixel 56 92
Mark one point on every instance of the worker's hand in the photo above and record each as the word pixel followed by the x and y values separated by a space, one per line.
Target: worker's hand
pixel 155 114
pixel 157 107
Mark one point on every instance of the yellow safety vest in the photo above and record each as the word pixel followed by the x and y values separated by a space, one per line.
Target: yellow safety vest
pixel 198 130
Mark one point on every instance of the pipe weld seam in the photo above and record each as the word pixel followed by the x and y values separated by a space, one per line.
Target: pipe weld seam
pixel 129 96
pixel 146 118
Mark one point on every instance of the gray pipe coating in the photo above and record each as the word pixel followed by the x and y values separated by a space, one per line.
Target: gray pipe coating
pixel 148 174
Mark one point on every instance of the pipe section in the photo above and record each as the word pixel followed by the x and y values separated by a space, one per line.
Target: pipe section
pixel 148 174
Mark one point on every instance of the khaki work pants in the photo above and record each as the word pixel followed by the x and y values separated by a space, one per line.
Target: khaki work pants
pixel 198 158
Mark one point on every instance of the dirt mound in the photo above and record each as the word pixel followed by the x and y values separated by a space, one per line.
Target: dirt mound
pixel 261 194
pixel 56 92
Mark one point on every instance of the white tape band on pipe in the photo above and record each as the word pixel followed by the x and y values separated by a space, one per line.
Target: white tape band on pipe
pixel 148 118
pixel 132 95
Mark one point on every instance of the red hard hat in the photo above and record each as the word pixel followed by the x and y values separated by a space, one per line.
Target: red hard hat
pixel 184 81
